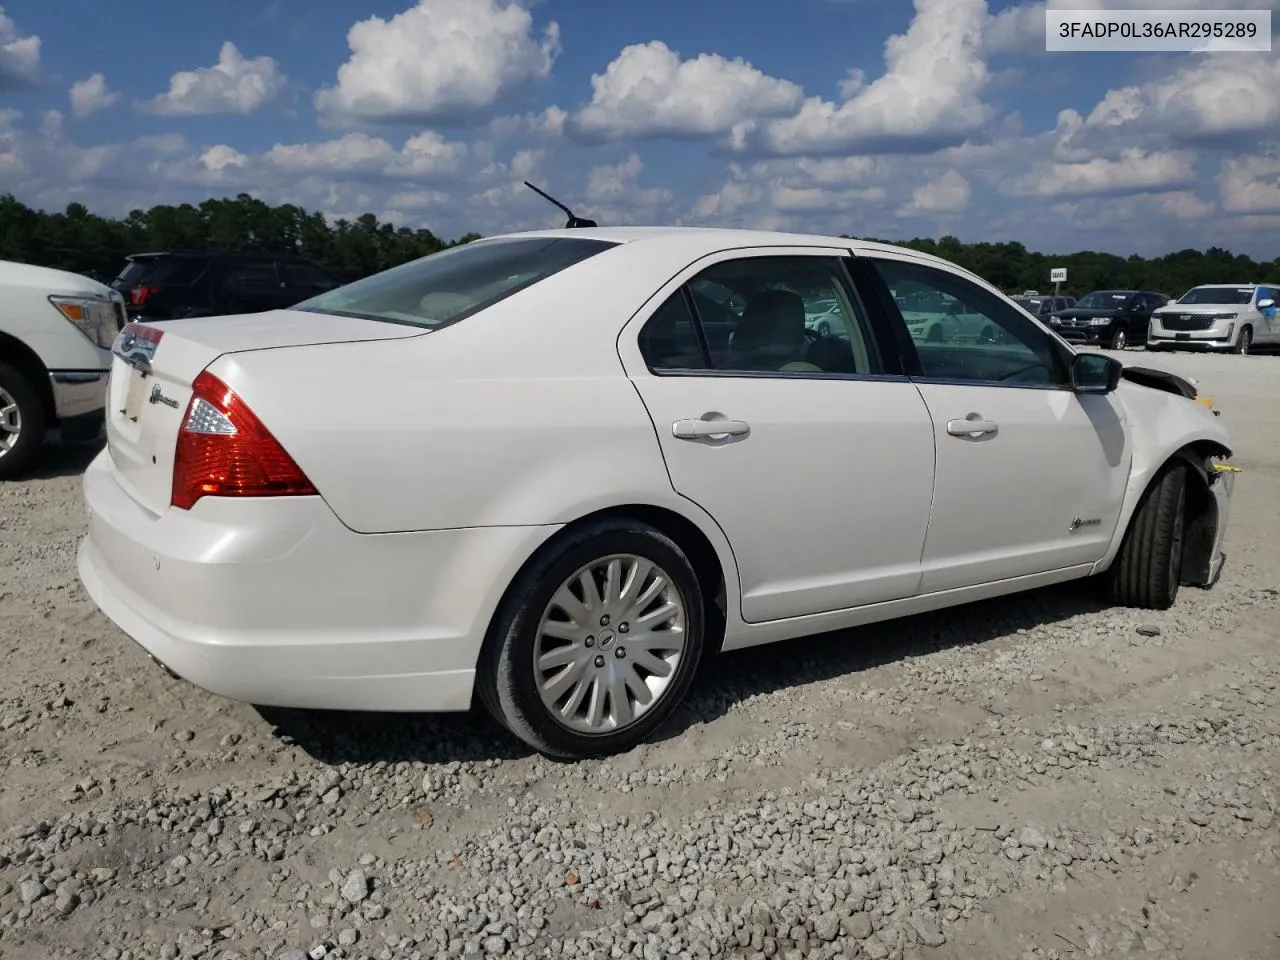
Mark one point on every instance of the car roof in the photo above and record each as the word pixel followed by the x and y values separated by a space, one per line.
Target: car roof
pixel 216 255
pixel 719 238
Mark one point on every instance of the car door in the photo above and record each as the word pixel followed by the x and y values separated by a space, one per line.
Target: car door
pixel 813 454
pixel 1030 476
pixel 1268 320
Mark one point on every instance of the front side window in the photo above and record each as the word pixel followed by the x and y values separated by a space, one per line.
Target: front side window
pixel 774 314
pixel 455 283
pixel 963 332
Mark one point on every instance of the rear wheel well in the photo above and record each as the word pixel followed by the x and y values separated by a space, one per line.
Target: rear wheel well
pixel 22 358
pixel 702 555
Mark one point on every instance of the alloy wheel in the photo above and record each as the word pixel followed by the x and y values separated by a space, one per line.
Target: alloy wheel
pixel 609 644
pixel 10 421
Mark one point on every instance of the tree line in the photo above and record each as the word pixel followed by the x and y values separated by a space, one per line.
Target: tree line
pixel 96 246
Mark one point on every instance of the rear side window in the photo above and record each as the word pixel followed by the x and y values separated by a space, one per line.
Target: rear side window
pixel 179 271
pixel 257 272
pixel 453 284
pixel 669 340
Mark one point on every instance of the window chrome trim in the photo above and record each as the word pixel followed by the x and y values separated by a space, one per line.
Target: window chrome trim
pixel 779 375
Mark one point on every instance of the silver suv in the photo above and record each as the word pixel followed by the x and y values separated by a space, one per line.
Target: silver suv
pixel 1232 317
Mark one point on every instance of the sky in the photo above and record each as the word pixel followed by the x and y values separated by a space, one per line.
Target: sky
pixel 885 118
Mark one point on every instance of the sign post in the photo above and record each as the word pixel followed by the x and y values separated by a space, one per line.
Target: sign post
pixel 1057 276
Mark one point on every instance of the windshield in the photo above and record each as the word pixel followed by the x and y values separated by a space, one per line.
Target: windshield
pixel 1234 295
pixel 1105 300
pixel 447 286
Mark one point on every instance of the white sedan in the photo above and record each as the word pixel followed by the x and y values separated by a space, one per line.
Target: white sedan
pixel 534 470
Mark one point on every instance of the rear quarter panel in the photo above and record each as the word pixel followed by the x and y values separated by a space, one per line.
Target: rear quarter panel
pixel 519 415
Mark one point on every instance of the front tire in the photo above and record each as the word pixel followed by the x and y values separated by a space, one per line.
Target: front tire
pixel 1244 344
pixel 596 643
pixel 1148 569
pixel 22 422
pixel 1119 339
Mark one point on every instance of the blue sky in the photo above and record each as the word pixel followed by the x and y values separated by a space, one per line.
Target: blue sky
pixel 890 118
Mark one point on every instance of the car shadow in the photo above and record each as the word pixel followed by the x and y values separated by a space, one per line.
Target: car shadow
pixel 59 460
pixel 337 737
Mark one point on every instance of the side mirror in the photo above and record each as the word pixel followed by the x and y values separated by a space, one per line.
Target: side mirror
pixel 1095 373
pixel 1266 304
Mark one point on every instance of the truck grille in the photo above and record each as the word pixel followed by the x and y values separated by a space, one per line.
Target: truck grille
pixel 1186 321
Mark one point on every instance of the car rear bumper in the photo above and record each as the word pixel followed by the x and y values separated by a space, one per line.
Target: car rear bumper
pixel 275 602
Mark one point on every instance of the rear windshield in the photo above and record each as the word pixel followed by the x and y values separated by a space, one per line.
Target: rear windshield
pixel 135 270
pixel 447 286
pixel 169 270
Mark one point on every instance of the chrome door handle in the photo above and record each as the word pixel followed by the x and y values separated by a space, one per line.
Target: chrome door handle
pixel 971 427
pixel 699 429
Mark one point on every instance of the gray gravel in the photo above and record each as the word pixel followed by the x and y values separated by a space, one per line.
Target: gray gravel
pixel 1034 777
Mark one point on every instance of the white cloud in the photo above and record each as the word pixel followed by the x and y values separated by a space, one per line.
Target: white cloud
pixel 234 85
pixel 1250 185
pixel 438 60
pixel 19 56
pixel 91 95
pixel 929 96
pixel 618 184
pixel 816 196
pixel 949 193
pixel 216 159
pixel 648 91
pixel 417 199
pixel 1213 96
pixel 1135 171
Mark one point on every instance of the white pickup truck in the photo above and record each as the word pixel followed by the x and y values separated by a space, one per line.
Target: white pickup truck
pixel 56 331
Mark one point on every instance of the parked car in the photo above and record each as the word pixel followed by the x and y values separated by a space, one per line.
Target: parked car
pixel 1232 317
pixel 939 318
pixel 56 330
pixel 545 487
pixel 169 285
pixel 1111 318
pixel 1044 307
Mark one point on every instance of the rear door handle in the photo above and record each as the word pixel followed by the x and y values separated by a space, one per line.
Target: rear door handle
pixel 971 427
pixel 698 429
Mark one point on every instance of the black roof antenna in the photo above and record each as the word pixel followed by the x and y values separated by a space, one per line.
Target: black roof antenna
pixel 573 221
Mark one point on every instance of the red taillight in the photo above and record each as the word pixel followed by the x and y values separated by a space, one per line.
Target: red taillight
pixel 140 294
pixel 226 451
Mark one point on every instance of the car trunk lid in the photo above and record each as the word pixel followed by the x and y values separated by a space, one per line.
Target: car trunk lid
pixel 154 366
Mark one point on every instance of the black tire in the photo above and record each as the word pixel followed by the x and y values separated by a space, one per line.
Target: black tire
pixel 1147 571
pixel 824 328
pixel 1119 339
pixel 1244 343
pixel 16 459
pixel 506 678
pixel 935 334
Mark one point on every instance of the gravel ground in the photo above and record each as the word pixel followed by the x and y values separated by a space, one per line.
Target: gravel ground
pixel 1034 777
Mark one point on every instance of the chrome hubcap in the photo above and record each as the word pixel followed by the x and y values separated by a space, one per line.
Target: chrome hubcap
pixel 10 421
pixel 609 644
